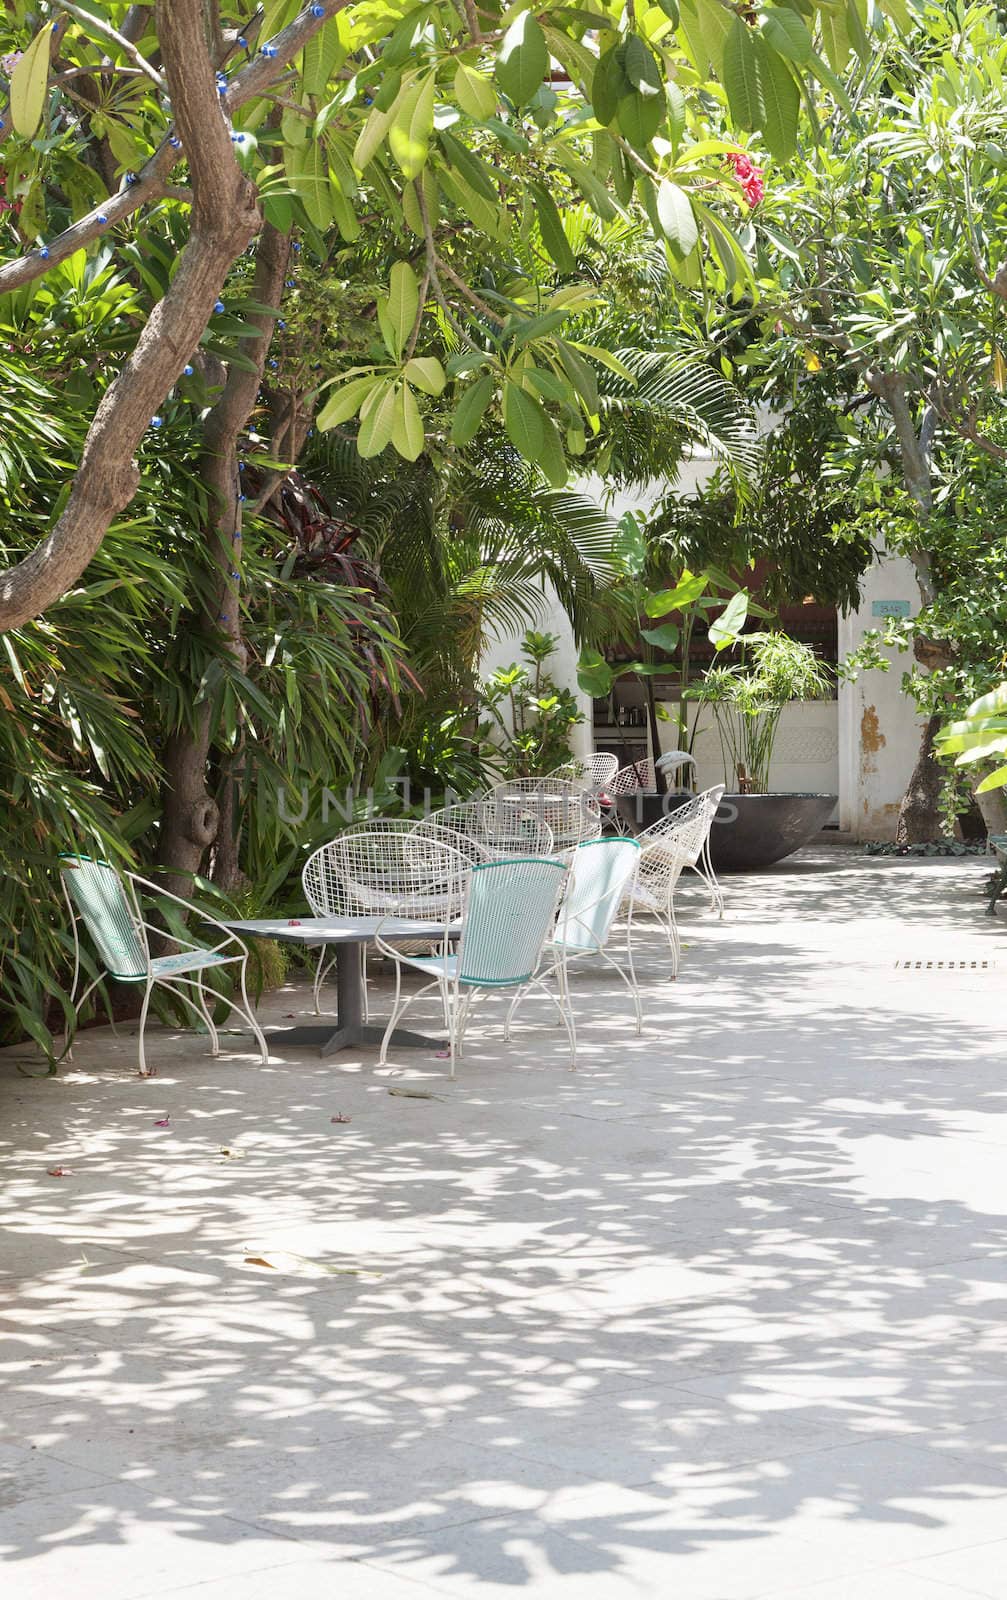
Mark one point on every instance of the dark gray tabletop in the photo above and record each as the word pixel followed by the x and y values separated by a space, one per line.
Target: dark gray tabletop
pixel 337 930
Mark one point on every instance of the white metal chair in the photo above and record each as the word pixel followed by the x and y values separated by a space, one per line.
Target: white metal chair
pixel 107 903
pixel 664 853
pixel 569 812
pixel 508 913
pixel 495 830
pixel 640 777
pixel 330 893
pixel 602 875
pixel 694 822
pixel 594 772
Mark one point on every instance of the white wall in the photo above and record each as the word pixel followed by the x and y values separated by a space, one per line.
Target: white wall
pixel 805 755
pixel 879 728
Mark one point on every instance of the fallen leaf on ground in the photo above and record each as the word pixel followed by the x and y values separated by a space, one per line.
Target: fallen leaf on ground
pixel 235 1155
pixel 416 1094
pixel 59 1172
pixel 340 1116
pixel 287 1261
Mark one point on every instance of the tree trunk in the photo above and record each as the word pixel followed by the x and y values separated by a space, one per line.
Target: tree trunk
pixel 919 815
pixel 660 777
pixel 191 819
pixel 920 820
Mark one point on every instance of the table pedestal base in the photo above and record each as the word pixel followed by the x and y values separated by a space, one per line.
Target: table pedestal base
pixel 326 1039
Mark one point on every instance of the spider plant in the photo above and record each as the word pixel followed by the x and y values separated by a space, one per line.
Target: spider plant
pixel 748 698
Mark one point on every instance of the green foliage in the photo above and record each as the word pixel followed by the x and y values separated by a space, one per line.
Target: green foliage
pixel 801 516
pixel 533 717
pixel 980 736
pixel 748 700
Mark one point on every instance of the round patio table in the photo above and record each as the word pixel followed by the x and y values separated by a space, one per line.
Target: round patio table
pixel 346 935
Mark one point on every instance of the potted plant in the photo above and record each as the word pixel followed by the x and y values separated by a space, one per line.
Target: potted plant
pixel 747 699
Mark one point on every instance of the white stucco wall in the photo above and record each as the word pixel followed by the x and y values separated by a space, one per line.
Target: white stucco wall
pixel 805 755
pixel 879 728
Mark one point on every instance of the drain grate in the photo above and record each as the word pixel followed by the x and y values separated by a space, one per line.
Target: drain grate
pixel 944 966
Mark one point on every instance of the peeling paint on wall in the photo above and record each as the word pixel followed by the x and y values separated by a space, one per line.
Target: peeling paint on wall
pixel 871 741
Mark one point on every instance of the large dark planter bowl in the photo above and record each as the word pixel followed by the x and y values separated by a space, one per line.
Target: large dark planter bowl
pixel 749 830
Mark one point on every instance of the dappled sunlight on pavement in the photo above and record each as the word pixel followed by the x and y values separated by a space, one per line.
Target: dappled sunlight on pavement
pixel 720 1315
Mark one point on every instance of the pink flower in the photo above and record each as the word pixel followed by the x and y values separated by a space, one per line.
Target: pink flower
pixel 749 176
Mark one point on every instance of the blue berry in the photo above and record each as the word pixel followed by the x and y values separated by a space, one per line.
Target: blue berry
pixel 269 51
pixel 241 500
pixel 241 466
pixel 218 305
pixel 2 124
pixel 237 138
pixel 175 141
pixel 187 371
pixel 318 11
pixel 243 42
pixel 296 247
pixel 281 324
pixel 273 364
pixel 157 422
pixel 131 178
pixel 102 219
pixel 44 252
pixel 291 283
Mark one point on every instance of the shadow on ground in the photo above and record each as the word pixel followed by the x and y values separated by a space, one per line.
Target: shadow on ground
pixel 722 1314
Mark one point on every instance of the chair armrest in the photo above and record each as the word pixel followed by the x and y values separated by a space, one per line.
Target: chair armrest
pixel 229 937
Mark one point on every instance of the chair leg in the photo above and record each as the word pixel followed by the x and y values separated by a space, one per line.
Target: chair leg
pixel 676 938
pixel 393 1019
pixel 250 1017
pixel 143 1023
pixel 363 982
pixel 566 1011
pixel 325 965
pixel 207 1017
pixel 462 1011
pixel 634 985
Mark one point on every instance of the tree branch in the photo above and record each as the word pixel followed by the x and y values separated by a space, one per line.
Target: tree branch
pixel 224 216
pixel 148 184
pixel 104 30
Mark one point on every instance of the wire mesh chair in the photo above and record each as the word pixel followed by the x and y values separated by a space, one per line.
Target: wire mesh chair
pixel 639 778
pixel 509 912
pixel 569 812
pixel 494 829
pixel 107 904
pixel 602 875
pixel 330 893
pixel 594 772
pixel 664 854
pixel 694 822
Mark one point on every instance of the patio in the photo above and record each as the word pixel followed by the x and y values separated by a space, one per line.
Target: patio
pixel 720 1316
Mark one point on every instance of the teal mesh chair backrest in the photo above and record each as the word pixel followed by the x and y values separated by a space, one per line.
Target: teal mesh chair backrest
pixel 97 894
pixel 601 870
pixel 509 915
